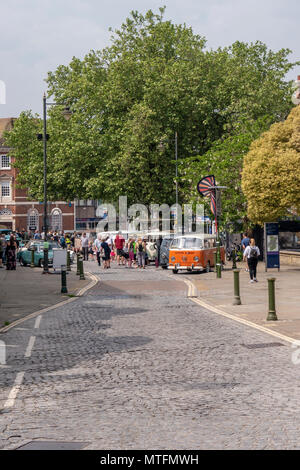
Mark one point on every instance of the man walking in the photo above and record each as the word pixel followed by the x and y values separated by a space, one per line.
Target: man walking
pixel 119 243
pixel 245 243
pixel 85 247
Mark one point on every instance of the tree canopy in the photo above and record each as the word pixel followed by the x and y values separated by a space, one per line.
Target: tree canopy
pixel 129 99
pixel 271 177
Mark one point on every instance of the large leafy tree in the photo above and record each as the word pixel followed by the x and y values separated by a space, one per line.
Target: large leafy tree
pixel 271 176
pixel 128 100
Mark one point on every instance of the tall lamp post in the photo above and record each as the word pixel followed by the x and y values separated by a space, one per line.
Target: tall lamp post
pixel 161 147
pixel 67 114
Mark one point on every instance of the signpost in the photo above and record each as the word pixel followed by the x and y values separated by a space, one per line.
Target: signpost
pixel 271 245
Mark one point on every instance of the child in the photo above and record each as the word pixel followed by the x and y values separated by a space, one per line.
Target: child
pixel 112 255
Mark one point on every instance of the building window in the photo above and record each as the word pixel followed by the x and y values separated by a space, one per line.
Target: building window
pixel 33 220
pixel 56 219
pixel 5 162
pixel 5 189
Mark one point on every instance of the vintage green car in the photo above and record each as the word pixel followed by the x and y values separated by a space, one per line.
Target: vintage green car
pixel 24 254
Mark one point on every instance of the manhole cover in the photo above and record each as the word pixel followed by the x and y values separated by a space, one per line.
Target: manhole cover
pixel 262 345
pixel 53 445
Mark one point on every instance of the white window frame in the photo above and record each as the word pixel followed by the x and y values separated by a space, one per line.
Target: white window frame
pixel 33 218
pixel 7 185
pixel 2 166
pixel 56 216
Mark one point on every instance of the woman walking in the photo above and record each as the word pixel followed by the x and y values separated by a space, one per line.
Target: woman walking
pixel 251 254
pixel 106 249
pixel 10 252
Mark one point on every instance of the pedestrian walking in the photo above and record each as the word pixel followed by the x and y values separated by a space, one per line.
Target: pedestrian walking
pixel 131 252
pixel 251 254
pixel 141 253
pixel 85 247
pixel 119 243
pixel 106 256
pixel 245 243
pixel 10 252
pixel 97 245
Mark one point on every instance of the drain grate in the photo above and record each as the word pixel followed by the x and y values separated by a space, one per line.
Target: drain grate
pixel 53 445
pixel 261 345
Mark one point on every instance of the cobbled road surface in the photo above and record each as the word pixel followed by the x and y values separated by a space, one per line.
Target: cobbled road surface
pixel 135 364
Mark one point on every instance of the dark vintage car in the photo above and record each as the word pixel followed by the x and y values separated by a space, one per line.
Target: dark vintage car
pixel 164 252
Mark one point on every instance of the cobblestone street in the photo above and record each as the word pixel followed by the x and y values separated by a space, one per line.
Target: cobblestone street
pixel 135 364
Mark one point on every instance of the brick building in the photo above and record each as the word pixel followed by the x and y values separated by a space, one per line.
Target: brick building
pixel 16 210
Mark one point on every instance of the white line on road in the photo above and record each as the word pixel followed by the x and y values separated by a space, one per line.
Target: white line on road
pixel 38 321
pixel 30 346
pixel 14 391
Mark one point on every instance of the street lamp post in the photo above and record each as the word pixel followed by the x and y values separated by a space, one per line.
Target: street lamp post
pixel 67 114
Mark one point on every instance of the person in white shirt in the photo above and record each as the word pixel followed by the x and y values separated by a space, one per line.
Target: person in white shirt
pixel 85 246
pixel 251 254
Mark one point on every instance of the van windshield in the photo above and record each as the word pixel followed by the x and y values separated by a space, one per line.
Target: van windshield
pixel 192 243
pixel 187 243
pixel 177 243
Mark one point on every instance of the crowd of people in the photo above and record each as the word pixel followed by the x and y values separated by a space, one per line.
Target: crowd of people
pixel 131 253
pixel 102 249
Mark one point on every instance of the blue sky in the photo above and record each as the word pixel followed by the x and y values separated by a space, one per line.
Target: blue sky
pixel 38 35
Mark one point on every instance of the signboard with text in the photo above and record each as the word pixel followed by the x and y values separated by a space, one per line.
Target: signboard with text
pixel 272 258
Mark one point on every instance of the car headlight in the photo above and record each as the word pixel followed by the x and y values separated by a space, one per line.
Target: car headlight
pixel 173 259
pixel 196 258
pixel 164 256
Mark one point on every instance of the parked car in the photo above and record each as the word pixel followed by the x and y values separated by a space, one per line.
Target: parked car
pixel 164 252
pixel 24 254
pixel 151 250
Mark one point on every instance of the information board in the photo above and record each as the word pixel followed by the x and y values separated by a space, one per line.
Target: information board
pixel 272 258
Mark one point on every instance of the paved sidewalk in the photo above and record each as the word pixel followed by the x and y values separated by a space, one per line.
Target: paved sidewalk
pixel 220 293
pixel 27 290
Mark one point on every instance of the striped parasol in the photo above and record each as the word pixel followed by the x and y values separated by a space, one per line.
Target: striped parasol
pixel 207 188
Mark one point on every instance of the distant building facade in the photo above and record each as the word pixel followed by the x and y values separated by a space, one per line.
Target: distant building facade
pixel 17 212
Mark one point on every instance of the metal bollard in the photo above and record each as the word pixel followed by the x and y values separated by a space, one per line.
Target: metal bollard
pixel 233 258
pixel 236 280
pixel 32 258
pixel 68 261
pixel 46 266
pixel 64 289
pixel 218 261
pixel 272 310
pixel 82 278
pixel 78 260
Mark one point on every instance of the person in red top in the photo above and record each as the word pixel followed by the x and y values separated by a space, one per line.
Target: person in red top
pixel 119 244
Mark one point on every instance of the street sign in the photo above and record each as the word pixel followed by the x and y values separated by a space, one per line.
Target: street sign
pixel 272 257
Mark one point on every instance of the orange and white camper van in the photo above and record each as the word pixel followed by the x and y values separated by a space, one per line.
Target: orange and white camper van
pixel 194 252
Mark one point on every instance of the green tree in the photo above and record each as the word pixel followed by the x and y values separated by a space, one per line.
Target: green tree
pixel 154 79
pixel 271 178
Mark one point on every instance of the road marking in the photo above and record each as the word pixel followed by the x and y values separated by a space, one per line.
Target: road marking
pixel 38 321
pixel 30 346
pixel 14 391
pixel 243 321
pixel 264 329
